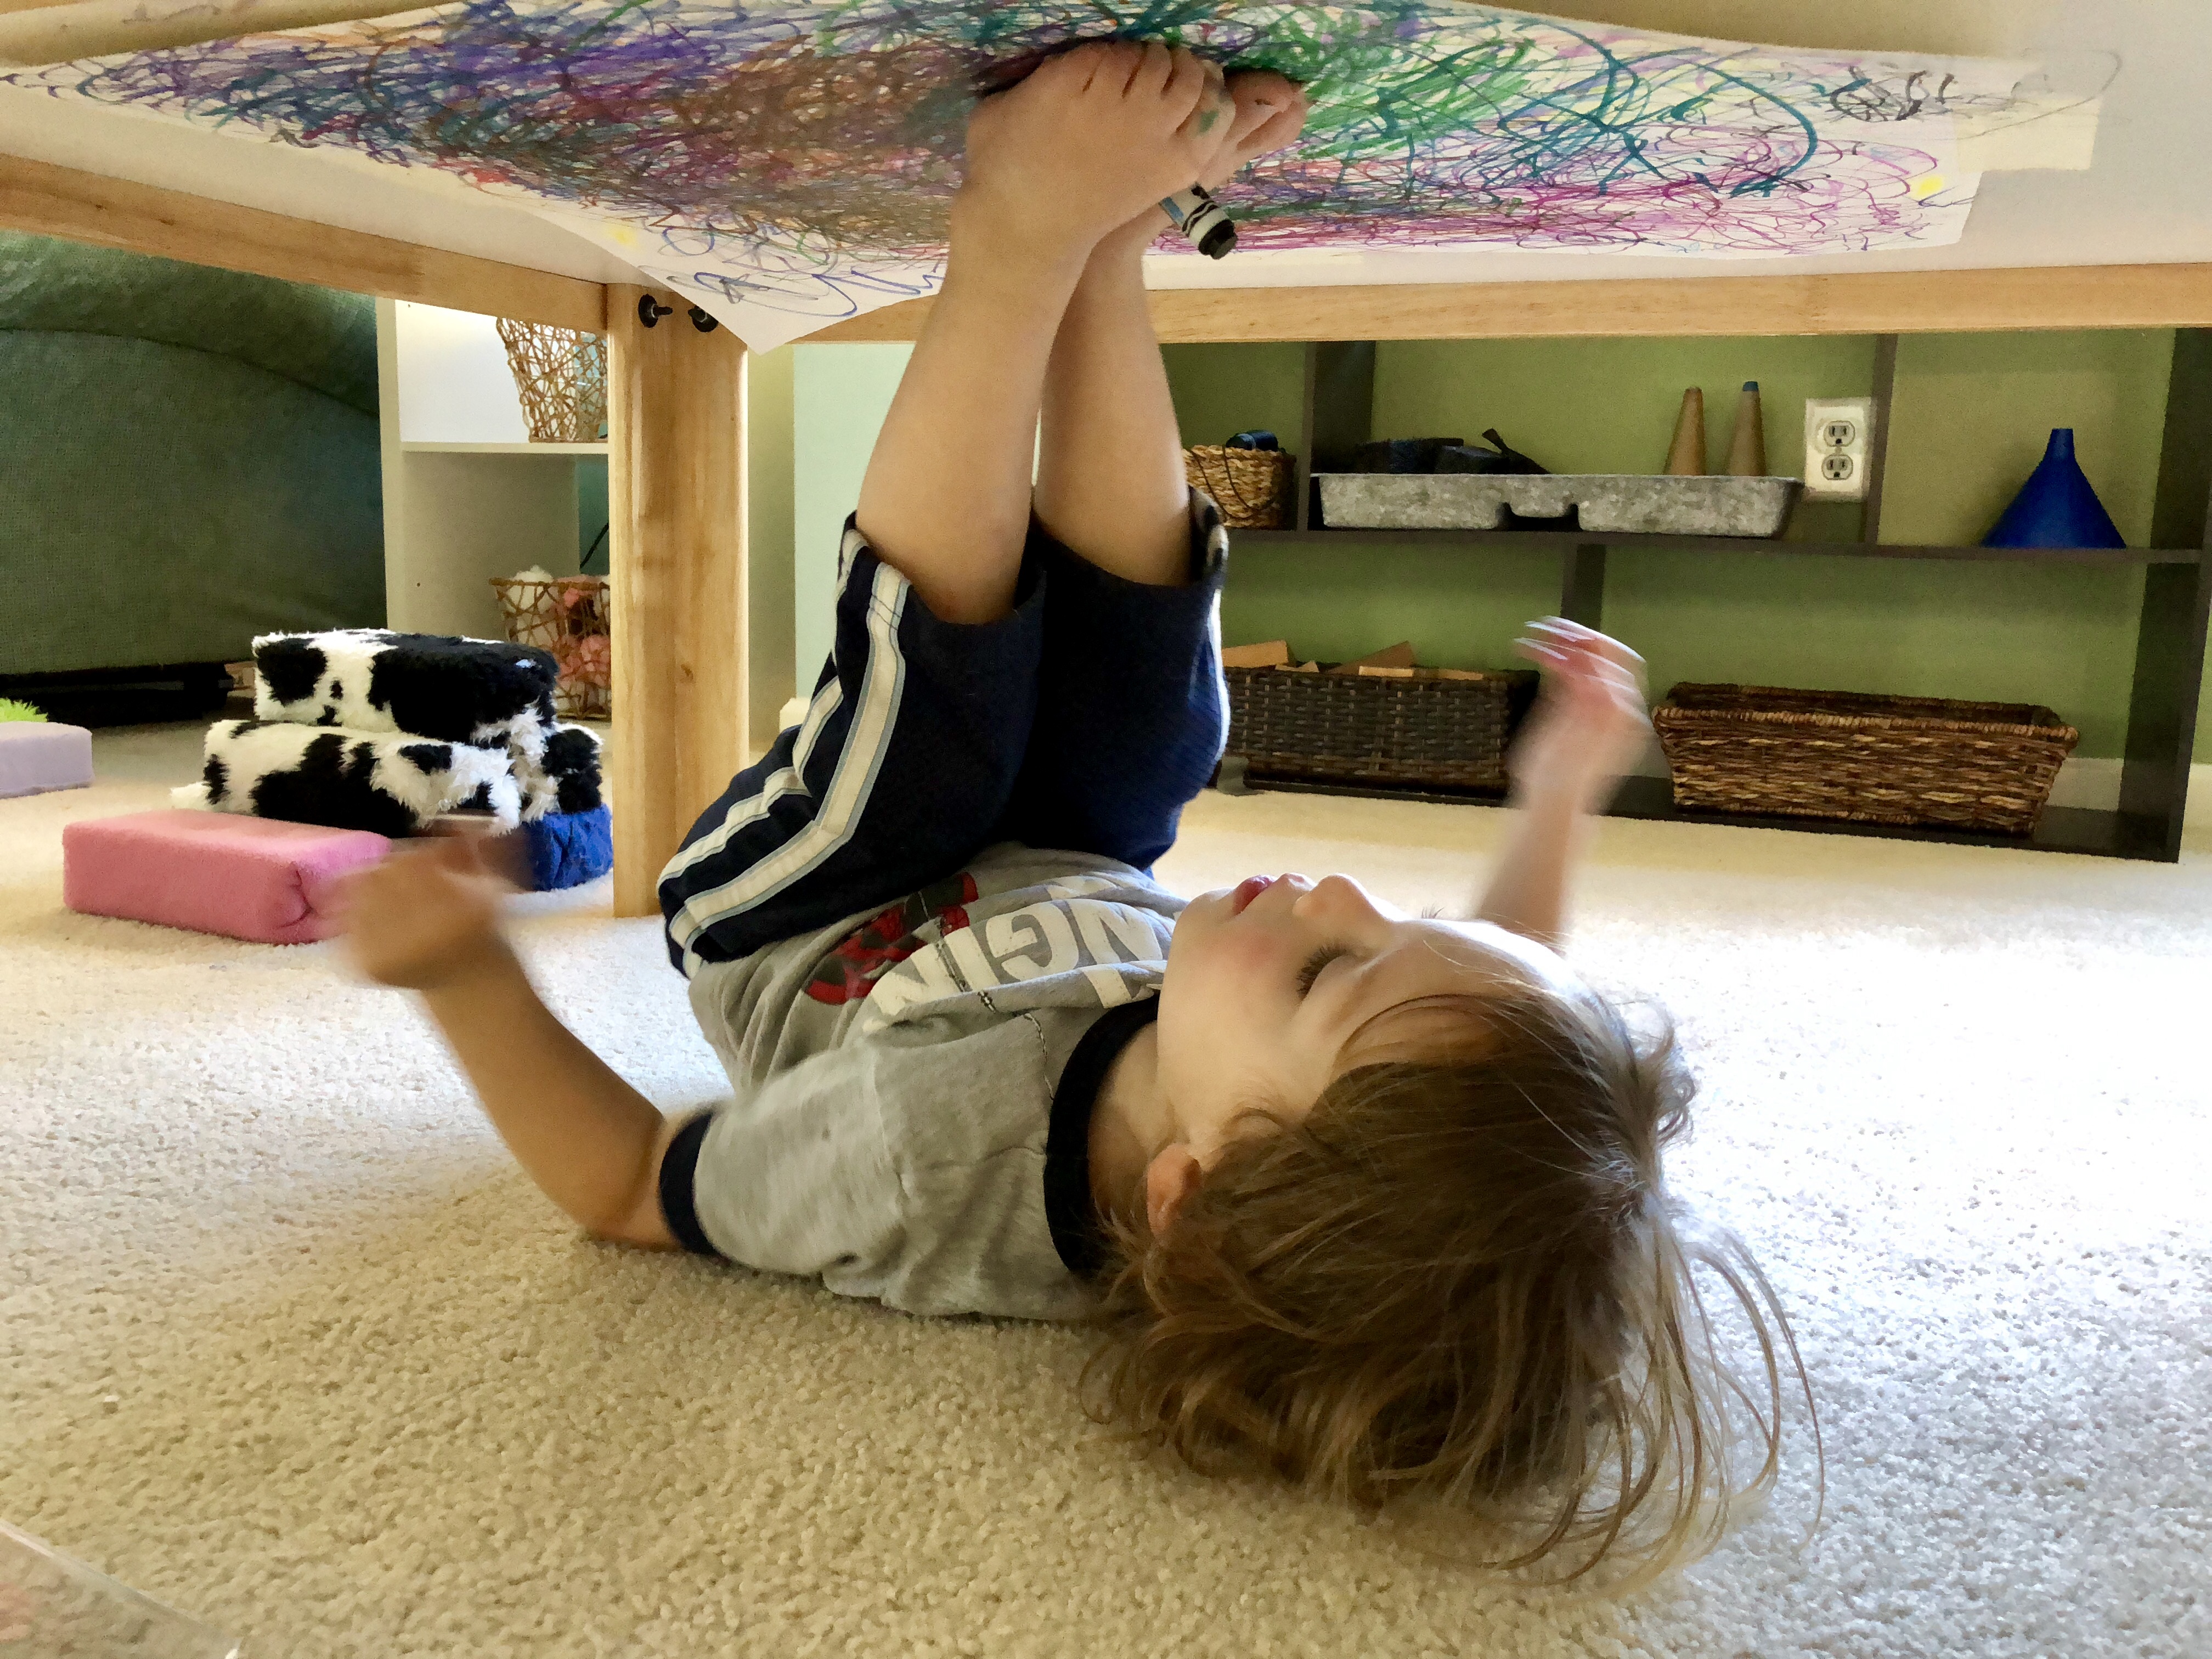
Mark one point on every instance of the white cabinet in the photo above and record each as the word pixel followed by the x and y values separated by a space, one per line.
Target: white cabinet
pixel 467 497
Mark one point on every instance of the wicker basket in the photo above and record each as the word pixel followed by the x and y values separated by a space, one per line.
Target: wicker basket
pixel 1862 757
pixel 567 615
pixel 1252 487
pixel 1362 729
pixel 560 376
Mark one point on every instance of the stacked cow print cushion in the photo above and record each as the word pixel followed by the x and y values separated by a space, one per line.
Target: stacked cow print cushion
pixel 368 729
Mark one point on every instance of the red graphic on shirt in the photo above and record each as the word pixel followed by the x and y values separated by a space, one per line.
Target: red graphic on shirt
pixel 848 973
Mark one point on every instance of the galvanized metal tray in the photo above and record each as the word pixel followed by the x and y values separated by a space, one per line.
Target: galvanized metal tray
pixel 1621 503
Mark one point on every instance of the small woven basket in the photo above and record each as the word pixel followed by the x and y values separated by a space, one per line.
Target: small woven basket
pixel 567 615
pixel 1360 729
pixel 1252 487
pixel 1862 758
pixel 562 378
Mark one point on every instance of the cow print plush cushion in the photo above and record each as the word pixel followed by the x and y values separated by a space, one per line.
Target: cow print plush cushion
pixel 391 782
pixel 485 692
pixel 565 778
pixel 365 728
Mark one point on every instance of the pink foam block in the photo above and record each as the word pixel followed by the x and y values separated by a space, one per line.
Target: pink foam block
pixel 36 755
pixel 215 872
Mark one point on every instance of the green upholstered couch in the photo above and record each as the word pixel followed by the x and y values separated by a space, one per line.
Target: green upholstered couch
pixel 188 457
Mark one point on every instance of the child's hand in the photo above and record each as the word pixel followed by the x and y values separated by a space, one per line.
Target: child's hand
pixel 425 917
pixel 1091 137
pixel 1589 721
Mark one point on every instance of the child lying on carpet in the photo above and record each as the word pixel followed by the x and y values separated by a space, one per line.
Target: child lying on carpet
pixel 1371 1201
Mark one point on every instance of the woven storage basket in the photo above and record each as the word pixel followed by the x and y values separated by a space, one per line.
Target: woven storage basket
pixel 568 616
pixel 1862 757
pixel 561 377
pixel 1252 487
pixel 1375 729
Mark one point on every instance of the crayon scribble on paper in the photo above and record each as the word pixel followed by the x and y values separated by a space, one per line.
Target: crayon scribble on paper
pixel 792 164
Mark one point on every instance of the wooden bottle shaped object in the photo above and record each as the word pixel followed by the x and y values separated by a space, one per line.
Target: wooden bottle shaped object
pixel 1747 449
pixel 1686 458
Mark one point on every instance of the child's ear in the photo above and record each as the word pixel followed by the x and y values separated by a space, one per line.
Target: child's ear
pixel 1169 1179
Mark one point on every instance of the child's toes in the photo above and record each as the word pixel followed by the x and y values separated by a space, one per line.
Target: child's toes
pixel 1197 88
pixel 1097 67
pixel 1262 96
pixel 1155 72
pixel 1270 112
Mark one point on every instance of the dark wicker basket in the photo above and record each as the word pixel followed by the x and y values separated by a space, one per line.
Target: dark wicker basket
pixel 1864 757
pixel 1375 729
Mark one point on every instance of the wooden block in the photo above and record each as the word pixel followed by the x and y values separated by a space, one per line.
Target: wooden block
pixel 1459 673
pixel 1377 671
pixel 1685 458
pixel 239 701
pixel 1748 448
pixel 1399 655
pixel 1299 668
pixel 1271 654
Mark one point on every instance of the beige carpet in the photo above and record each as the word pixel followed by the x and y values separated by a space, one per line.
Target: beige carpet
pixel 286 1340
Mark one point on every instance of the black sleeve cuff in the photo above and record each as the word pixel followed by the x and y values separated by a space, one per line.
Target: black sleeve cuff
pixel 678 1165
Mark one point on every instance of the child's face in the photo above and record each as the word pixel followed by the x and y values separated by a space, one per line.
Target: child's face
pixel 1268 980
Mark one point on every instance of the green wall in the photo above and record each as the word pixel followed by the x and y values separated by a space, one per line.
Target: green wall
pixel 1972 414
pixel 840 396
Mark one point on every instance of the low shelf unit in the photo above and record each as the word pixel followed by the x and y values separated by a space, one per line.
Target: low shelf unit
pixel 2170 629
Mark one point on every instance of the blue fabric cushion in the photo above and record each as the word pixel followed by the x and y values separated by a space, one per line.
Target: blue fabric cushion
pixel 567 849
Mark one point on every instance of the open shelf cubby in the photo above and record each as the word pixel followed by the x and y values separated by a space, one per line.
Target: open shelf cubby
pixel 2170 637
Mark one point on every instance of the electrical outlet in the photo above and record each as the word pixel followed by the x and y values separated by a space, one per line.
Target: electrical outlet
pixel 1838 447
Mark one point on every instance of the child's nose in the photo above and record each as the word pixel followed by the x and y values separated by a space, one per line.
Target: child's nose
pixel 1335 896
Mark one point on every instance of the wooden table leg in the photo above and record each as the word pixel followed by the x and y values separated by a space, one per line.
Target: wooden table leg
pixel 676 490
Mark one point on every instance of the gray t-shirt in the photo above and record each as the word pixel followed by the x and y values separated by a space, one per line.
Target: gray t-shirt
pixel 894 1077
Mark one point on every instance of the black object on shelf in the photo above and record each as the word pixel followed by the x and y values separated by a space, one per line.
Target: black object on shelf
pixel 1258 438
pixel 1515 460
pixel 1472 457
pixel 1401 455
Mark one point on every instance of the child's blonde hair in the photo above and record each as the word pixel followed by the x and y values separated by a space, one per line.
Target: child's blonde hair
pixel 1460 1279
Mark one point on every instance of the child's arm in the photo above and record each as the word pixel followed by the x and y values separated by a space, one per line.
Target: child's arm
pixel 426 920
pixel 1109 479
pixel 1588 722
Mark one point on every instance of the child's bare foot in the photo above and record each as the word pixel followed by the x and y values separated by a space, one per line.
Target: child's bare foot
pixel 1092 136
pixel 1269 111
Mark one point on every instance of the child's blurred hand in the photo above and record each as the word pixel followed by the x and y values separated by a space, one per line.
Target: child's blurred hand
pixel 1590 720
pixel 425 917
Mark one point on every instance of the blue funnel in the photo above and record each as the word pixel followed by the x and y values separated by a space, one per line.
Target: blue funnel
pixel 2056 506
